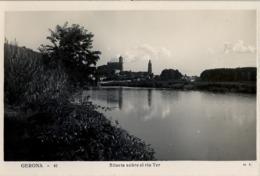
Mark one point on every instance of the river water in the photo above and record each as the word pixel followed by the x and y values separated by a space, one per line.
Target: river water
pixel 184 125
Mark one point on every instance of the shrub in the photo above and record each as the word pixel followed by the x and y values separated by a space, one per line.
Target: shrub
pixel 73 132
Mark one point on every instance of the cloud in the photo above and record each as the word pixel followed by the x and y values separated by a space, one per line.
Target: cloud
pixel 238 47
pixel 210 50
pixel 146 52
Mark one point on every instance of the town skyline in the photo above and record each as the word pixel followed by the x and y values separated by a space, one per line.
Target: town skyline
pixel 190 41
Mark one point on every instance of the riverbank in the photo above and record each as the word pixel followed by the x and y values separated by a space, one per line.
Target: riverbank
pixel 43 123
pixel 73 132
pixel 234 87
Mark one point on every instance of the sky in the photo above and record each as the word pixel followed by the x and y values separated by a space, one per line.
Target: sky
pixel 188 40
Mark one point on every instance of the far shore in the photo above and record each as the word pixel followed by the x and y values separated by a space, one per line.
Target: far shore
pixel 235 87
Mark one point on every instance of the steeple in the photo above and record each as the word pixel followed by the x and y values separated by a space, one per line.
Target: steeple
pixel 150 67
pixel 121 63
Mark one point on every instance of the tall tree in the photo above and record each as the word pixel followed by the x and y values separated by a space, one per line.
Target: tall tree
pixel 71 47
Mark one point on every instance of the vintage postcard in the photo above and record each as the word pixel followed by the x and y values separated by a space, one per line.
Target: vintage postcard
pixel 129 88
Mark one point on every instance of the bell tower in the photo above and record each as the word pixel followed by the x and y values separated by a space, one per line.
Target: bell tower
pixel 150 67
pixel 121 63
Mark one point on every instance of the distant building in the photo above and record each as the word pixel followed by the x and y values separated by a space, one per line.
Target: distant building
pixel 116 65
pixel 111 68
pixel 139 74
pixel 114 70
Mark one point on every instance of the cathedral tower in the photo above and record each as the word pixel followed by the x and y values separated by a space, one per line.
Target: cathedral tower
pixel 150 67
pixel 121 63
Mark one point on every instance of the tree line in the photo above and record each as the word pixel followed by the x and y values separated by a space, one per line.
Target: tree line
pixel 229 74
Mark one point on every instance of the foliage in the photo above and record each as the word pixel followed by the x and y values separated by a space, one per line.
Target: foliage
pixel 52 127
pixel 77 133
pixel 229 74
pixel 27 82
pixel 71 47
pixel 171 74
pixel 104 70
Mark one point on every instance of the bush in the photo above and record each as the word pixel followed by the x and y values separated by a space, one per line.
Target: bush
pixel 73 132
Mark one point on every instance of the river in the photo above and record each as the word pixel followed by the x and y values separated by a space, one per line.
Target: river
pixel 184 125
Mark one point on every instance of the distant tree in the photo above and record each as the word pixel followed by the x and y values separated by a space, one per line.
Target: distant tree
pixel 171 74
pixel 229 74
pixel 71 47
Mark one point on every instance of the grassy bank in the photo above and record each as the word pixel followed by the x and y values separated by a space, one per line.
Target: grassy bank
pixel 42 123
pixel 73 132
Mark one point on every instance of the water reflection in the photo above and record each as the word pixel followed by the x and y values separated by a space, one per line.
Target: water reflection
pixel 112 97
pixel 189 125
pixel 149 97
pixel 120 94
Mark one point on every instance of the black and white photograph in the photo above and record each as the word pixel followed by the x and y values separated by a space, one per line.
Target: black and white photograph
pixel 130 85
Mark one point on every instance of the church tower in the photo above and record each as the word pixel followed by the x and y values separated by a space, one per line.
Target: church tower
pixel 150 67
pixel 121 63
